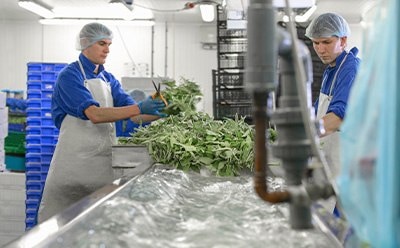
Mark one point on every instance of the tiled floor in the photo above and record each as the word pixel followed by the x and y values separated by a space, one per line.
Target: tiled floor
pixel 12 206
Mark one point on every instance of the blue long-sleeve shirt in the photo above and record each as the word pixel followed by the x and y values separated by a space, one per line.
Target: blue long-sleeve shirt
pixel 344 81
pixel 71 97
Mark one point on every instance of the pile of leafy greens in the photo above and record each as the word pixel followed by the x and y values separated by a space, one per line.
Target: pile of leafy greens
pixel 191 140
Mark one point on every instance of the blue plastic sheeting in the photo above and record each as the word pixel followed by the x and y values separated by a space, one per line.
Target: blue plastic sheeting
pixel 369 183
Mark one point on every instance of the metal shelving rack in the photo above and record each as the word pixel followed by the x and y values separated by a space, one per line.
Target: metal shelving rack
pixel 230 98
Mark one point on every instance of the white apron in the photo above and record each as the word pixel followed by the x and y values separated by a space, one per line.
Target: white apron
pixel 330 144
pixel 81 162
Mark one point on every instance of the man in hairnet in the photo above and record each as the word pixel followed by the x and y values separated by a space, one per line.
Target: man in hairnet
pixel 328 33
pixel 86 102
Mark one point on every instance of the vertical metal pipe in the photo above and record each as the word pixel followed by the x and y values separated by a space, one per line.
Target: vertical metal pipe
pixel 166 51
pixel 152 53
pixel 260 80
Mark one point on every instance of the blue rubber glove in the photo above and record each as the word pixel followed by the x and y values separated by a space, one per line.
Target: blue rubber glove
pixel 151 107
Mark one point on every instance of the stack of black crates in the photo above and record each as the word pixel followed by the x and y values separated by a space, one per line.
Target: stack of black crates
pixel 229 94
pixel 41 134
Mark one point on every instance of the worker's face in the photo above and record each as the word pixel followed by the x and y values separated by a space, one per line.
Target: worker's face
pixel 328 49
pixel 97 53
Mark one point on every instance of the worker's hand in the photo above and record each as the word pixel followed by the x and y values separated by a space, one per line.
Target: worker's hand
pixel 151 106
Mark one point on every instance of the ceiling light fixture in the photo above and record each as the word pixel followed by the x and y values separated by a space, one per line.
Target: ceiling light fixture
pixel 294 3
pixel 37 7
pixel 120 6
pixel 207 9
pixel 207 12
pixel 80 22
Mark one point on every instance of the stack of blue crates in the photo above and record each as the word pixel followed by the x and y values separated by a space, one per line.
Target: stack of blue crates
pixel 41 134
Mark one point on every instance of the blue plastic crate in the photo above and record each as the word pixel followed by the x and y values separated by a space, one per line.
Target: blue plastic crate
pixel 46 157
pixel 32 203
pixel 45 112
pixel 47 121
pixel 48 130
pixel 47 148
pixel 48 66
pixel 33 148
pixel 34 185
pixel 36 167
pixel 49 76
pixel 33 121
pixel 45 167
pixel 34 85
pixel 47 85
pixel 30 223
pixel 33 112
pixel 33 130
pixel 47 139
pixel 33 157
pixel 45 103
pixel 32 76
pixel 34 103
pixel 34 66
pixel 34 94
pixel 32 139
pixel 34 194
pixel 60 66
pixel 47 94
pixel 16 127
pixel 34 176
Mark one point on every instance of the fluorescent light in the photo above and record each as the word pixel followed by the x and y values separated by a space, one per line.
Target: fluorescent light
pixel 294 3
pixel 207 12
pixel 37 7
pixel 70 21
pixel 123 9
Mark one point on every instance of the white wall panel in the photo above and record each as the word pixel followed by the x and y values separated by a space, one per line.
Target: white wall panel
pixel 31 42
pixel 21 42
pixel 181 56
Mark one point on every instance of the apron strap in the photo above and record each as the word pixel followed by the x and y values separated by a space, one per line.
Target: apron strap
pixel 82 70
pixel 334 77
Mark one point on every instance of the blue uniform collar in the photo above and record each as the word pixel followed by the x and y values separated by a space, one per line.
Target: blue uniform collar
pixel 88 66
pixel 353 51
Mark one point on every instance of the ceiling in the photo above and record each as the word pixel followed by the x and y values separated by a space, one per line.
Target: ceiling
pixel 167 10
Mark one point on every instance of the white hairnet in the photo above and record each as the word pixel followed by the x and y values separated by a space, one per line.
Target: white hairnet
pixel 91 33
pixel 328 25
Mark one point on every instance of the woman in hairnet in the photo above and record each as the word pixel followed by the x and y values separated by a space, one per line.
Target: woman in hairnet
pixel 86 101
pixel 328 33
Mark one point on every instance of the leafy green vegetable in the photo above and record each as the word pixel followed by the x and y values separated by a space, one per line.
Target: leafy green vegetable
pixel 182 97
pixel 193 140
pixel 187 139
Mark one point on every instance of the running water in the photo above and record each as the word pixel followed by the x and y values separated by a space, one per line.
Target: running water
pixel 170 208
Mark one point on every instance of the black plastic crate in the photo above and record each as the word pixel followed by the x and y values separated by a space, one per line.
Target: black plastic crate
pixel 231 79
pixel 233 95
pixel 226 110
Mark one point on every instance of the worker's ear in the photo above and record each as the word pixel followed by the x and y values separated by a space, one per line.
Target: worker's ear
pixel 343 41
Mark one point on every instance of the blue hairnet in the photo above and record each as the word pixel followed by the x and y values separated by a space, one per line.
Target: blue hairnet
pixel 328 25
pixel 91 33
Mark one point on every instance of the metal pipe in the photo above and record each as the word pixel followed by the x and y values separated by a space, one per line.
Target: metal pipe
pixel 260 184
pixel 260 80
pixel 293 146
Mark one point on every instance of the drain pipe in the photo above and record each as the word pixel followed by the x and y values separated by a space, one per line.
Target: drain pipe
pixel 265 42
pixel 260 81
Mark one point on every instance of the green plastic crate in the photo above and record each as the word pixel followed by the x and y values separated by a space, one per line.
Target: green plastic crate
pixel 15 143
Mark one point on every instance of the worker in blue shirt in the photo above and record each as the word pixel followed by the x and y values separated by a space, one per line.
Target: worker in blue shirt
pixel 328 33
pixel 86 102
